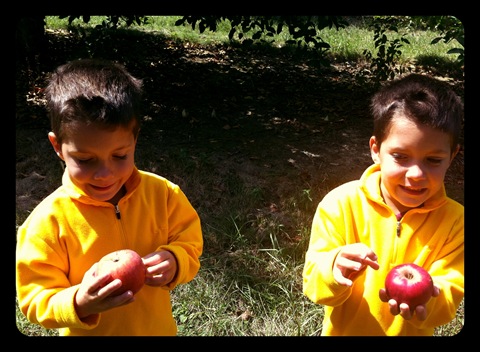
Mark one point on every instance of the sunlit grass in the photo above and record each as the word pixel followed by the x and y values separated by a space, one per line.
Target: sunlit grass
pixel 347 43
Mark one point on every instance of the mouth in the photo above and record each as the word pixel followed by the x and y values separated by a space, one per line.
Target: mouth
pixel 414 190
pixel 102 188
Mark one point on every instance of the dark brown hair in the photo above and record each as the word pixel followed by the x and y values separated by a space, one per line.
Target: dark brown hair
pixel 420 98
pixel 92 91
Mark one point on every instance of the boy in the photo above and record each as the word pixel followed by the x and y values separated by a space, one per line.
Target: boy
pixel 398 212
pixel 104 204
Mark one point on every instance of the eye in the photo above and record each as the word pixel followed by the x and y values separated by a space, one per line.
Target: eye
pixel 121 157
pixel 83 161
pixel 398 156
pixel 435 161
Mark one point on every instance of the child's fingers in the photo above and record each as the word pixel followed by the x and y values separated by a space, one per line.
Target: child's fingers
pixel 372 263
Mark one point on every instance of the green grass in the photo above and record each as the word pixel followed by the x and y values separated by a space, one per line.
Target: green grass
pixel 161 25
pixel 250 279
pixel 349 43
pixel 345 44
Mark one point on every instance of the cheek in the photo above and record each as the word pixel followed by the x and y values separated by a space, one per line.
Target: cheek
pixel 124 170
pixel 121 170
pixel 437 175
pixel 79 174
pixel 392 171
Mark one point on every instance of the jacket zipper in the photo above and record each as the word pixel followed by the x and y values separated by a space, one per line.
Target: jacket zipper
pixel 399 217
pixel 117 211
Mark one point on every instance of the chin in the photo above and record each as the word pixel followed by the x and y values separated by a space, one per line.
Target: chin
pixel 409 201
pixel 102 197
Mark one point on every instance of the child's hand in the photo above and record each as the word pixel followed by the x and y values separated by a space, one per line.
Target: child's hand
pixel 403 309
pixel 96 294
pixel 161 268
pixel 351 261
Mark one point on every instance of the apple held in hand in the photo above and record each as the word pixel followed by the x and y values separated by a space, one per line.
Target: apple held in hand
pixel 410 284
pixel 126 265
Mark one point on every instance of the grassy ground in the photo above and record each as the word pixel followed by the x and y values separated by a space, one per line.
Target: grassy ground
pixel 255 138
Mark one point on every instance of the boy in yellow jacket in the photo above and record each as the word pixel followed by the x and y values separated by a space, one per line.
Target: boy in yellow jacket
pixel 104 204
pixel 397 212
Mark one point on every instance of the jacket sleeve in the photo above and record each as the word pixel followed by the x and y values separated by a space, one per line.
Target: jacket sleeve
pixel 185 239
pixel 45 295
pixel 326 240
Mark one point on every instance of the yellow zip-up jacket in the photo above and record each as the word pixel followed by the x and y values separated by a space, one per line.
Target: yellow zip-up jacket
pixel 68 232
pixel 431 236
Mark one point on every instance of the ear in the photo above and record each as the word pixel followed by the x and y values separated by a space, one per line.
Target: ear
pixel 374 150
pixel 455 152
pixel 55 144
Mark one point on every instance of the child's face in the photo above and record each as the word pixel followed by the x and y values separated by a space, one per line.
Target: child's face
pixel 414 159
pixel 98 161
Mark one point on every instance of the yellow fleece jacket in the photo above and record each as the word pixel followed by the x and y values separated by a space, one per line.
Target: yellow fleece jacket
pixel 431 236
pixel 68 232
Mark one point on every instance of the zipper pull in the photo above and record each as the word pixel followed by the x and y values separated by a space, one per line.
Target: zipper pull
pixel 399 227
pixel 117 211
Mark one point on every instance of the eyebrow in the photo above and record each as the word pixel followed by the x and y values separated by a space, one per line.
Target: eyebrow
pixel 436 152
pixel 77 151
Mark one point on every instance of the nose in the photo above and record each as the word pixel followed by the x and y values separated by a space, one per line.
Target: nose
pixel 103 171
pixel 415 171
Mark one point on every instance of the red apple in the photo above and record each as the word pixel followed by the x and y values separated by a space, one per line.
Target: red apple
pixel 410 284
pixel 126 265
